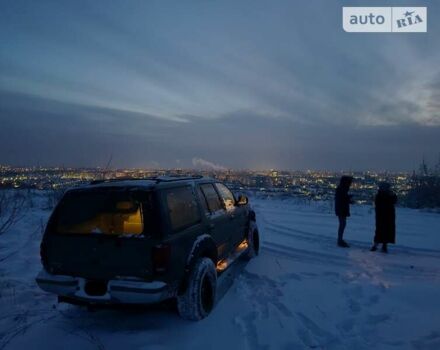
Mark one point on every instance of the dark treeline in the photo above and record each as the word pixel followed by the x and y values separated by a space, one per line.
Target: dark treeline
pixel 425 191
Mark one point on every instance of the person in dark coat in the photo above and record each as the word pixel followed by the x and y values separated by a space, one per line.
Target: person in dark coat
pixel 342 207
pixel 385 201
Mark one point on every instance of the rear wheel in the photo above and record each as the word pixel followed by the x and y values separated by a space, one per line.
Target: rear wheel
pixel 199 297
pixel 254 245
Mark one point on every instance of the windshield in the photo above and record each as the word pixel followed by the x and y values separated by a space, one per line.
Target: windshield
pixel 103 212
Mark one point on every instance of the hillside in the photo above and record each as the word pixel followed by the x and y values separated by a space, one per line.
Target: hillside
pixel 302 292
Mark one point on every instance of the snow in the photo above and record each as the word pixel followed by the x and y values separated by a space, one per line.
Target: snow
pixel 301 291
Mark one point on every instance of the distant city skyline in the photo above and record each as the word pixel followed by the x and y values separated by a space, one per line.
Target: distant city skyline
pixel 431 168
pixel 237 85
pixel 304 184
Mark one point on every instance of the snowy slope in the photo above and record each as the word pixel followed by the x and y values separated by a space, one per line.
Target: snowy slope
pixel 301 292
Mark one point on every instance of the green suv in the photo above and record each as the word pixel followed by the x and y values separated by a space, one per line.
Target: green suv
pixel 146 240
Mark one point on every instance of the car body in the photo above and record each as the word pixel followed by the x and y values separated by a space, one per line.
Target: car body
pixel 146 240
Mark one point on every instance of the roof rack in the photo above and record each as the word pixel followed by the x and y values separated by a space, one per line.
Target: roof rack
pixel 157 179
pixel 117 179
pixel 170 178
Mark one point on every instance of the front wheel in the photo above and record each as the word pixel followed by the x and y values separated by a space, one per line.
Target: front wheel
pixel 199 297
pixel 254 244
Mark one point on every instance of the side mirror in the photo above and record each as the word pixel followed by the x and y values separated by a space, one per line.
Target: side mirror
pixel 242 200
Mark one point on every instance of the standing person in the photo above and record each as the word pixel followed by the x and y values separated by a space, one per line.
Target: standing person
pixel 385 201
pixel 342 207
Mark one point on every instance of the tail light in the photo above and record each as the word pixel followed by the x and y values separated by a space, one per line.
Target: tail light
pixel 161 257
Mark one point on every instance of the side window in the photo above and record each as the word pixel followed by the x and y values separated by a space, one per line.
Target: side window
pixel 227 196
pixel 212 198
pixel 182 207
pixel 203 200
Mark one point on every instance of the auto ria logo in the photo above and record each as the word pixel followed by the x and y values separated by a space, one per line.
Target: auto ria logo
pixel 385 19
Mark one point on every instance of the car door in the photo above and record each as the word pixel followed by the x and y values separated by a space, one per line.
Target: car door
pixel 218 221
pixel 237 215
pixel 184 225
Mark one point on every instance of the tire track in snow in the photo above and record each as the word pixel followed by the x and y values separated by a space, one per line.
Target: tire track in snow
pixel 314 336
pixel 304 255
pixel 307 236
pixel 265 296
pixel 364 263
pixel 20 326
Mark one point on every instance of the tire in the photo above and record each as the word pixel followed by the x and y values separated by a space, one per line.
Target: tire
pixel 254 245
pixel 199 297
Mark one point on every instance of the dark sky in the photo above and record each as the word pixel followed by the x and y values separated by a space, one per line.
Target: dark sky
pixel 236 84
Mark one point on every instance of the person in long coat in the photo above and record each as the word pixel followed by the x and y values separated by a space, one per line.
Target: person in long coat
pixel 342 207
pixel 385 202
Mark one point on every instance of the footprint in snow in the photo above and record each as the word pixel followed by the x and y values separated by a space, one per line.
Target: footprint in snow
pixel 374 299
pixel 354 296
pixel 314 336
pixel 346 326
pixel 430 341
pixel 375 319
pixel 354 306
pixel 249 331
pixel 263 292
pixel 291 276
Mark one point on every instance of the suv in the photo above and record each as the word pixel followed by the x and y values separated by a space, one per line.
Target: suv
pixel 146 240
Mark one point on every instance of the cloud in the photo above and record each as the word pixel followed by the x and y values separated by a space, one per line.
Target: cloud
pixel 46 132
pixel 204 164
pixel 261 86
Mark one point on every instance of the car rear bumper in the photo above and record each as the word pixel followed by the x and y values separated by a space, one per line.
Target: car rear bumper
pixel 116 291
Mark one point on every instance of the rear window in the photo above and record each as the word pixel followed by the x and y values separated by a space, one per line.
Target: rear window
pixel 182 207
pixel 103 212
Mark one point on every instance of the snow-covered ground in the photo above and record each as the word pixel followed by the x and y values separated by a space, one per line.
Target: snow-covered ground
pixel 301 292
